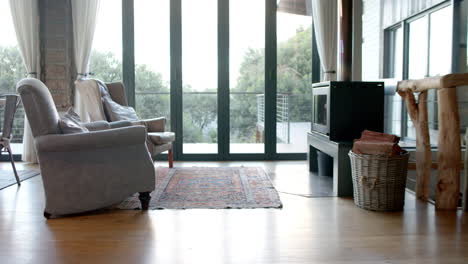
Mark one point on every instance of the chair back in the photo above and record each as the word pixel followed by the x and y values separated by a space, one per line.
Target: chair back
pixel 12 102
pixel 117 92
pixel 39 107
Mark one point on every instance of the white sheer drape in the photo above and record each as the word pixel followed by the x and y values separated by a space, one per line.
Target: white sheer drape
pixel 324 14
pixel 25 14
pixel 84 14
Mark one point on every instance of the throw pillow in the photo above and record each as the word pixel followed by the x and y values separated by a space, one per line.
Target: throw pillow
pixel 70 123
pixel 113 110
pixel 117 112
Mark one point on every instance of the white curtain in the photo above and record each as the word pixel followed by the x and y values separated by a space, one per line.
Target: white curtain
pixel 25 16
pixel 84 14
pixel 324 15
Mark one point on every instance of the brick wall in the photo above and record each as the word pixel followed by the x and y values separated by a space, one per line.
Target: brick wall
pixel 57 65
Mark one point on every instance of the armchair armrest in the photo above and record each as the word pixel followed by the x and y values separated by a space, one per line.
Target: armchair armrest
pixel 155 124
pixel 92 140
pixel 97 125
pixel 117 124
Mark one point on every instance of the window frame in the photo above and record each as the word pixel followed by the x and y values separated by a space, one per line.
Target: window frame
pixel 389 54
pixel 176 93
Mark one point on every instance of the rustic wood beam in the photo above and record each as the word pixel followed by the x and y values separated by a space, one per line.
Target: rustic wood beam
pixel 465 193
pixel 449 153
pixel 418 114
pixel 438 82
pixel 449 147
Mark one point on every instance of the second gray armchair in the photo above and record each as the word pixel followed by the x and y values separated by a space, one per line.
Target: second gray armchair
pixel 159 140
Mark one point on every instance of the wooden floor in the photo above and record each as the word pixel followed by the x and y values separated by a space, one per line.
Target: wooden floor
pixel 306 230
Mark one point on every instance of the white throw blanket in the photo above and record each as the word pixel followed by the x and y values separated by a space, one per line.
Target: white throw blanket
pixel 88 103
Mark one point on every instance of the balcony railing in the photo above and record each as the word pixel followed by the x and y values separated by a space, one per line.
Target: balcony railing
pixel 287 105
pixel 283 123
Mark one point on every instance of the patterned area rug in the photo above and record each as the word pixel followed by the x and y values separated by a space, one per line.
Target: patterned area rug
pixel 210 187
pixel 7 178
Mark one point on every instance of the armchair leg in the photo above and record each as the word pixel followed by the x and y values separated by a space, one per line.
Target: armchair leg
pixel 170 157
pixel 145 199
pixel 47 215
pixel 13 165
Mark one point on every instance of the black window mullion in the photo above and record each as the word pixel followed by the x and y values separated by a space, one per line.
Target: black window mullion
pixel 128 50
pixel 176 74
pixel 270 79
pixel 223 79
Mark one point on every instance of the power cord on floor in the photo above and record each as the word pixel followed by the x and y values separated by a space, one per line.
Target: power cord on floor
pixel 301 195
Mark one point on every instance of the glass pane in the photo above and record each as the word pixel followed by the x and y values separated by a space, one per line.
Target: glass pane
pixel 294 99
pixel 106 56
pixel 418 53
pixel 418 39
pixel 11 71
pixel 398 59
pixel 440 51
pixel 393 103
pixel 152 59
pixel 440 60
pixel 247 71
pixel 200 76
pixel 320 109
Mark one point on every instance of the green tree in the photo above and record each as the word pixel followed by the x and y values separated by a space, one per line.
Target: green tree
pixel 293 80
pixel 11 71
pixel 105 66
pixel 295 74
pixel 200 110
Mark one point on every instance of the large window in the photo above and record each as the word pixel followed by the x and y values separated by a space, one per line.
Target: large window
pixel 106 57
pixel 199 76
pixel 294 59
pixel 393 103
pixel 11 68
pixel 152 59
pixel 203 65
pixel 428 53
pixel 247 76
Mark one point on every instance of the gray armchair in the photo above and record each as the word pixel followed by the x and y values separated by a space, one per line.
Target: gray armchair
pixel 158 140
pixel 85 171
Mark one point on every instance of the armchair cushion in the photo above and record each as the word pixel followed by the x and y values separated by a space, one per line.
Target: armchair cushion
pixel 118 124
pixel 97 125
pixel 160 138
pixel 70 123
pixel 93 140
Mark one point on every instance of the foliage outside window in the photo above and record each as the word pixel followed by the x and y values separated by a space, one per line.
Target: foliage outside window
pixel 247 71
pixel 11 67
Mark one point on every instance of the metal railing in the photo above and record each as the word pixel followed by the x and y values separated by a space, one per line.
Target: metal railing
pixel 283 123
pixel 288 106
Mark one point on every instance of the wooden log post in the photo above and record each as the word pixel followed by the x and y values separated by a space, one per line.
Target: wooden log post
pixel 465 193
pixel 449 153
pixel 418 114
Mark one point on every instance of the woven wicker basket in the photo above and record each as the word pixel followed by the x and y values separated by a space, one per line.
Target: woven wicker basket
pixel 379 181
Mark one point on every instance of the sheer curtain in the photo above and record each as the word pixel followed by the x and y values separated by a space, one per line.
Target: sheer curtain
pixel 25 16
pixel 324 14
pixel 84 14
